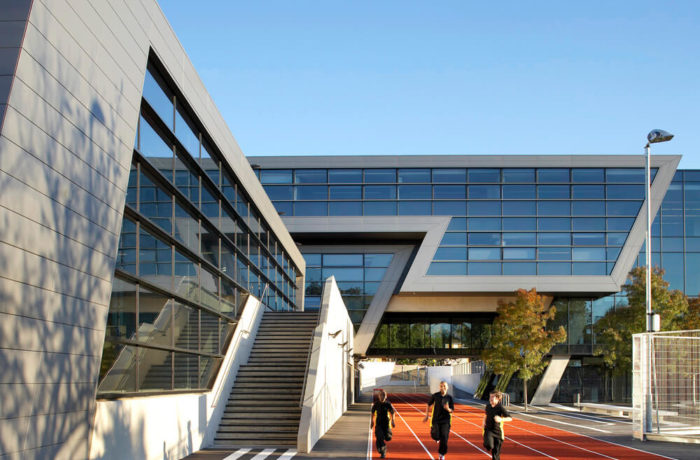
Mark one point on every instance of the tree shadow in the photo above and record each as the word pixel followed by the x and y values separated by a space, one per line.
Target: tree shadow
pixel 65 163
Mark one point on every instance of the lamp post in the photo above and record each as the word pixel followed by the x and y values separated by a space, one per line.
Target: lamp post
pixel 655 136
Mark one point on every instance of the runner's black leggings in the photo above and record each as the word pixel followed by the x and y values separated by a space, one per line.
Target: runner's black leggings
pixel 381 433
pixel 493 442
pixel 444 430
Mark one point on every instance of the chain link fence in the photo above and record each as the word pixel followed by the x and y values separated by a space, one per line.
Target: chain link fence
pixel 666 384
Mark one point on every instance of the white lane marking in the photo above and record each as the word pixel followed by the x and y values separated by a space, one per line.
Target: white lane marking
pixel 369 439
pixel 563 442
pixel 264 454
pixel 287 455
pixel 528 447
pixel 238 454
pixel 414 435
pixel 470 443
pixel 566 423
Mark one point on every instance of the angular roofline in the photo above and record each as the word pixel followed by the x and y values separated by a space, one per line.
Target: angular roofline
pixel 447 161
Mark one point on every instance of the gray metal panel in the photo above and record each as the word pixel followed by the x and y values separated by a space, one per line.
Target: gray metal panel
pixel 69 125
pixel 452 161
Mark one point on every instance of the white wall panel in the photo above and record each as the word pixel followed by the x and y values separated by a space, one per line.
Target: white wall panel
pixel 50 337
pixel 28 202
pixel 43 398
pixel 21 265
pixel 36 302
pixel 49 152
pixel 39 44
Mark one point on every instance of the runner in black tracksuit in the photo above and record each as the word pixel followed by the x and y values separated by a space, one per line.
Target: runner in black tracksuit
pixel 443 406
pixel 495 415
pixel 384 412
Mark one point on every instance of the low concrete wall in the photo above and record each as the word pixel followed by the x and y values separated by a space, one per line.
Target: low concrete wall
pixel 436 374
pixel 173 426
pixel 330 373
pixel 466 382
pixel 375 375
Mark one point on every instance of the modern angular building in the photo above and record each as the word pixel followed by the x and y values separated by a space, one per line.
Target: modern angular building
pixel 423 247
pixel 132 227
pixel 133 230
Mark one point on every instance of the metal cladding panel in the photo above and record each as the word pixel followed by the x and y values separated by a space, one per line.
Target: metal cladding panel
pixel 71 77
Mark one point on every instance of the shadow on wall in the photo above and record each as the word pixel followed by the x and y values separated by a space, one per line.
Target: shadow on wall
pixel 64 180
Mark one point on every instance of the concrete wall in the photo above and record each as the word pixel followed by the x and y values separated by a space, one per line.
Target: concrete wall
pixel 70 117
pixel 330 370
pixel 437 374
pixel 375 374
pixel 466 382
pixel 173 426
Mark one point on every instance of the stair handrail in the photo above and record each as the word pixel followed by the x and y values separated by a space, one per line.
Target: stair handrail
pixel 262 298
pixel 308 358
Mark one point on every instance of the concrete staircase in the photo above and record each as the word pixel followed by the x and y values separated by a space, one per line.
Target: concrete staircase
pixel 263 407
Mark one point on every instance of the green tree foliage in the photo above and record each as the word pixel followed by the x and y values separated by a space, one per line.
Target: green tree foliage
pixel 613 332
pixel 692 318
pixel 519 339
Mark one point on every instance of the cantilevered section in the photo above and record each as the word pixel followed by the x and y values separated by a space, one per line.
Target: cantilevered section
pixel 427 231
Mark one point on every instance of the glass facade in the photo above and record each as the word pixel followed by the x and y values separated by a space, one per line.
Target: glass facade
pixel 512 221
pixel 193 247
pixel 518 221
pixel 358 276
pixel 407 335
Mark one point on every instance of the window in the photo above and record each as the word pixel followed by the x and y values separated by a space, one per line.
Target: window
pixel 276 176
pixel 380 192
pixel 519 175
pixel 552 175
pixel 518 191
pixel 380 175
pixel 449 191
pixel 484 175
pixel 310 176
pixel 449 175
pixel 345 176
pixel 414 175
pixel 484 208
pixel 345 192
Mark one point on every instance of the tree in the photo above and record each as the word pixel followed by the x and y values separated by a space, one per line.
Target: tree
pixel 692 318
pixel 613 332
pixel 519 339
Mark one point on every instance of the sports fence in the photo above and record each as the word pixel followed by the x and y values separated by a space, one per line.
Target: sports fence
pixel 666 384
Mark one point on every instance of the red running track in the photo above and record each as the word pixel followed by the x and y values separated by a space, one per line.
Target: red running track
pixel 524 440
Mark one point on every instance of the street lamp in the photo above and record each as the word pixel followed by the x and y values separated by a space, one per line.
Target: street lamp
pixel 655 136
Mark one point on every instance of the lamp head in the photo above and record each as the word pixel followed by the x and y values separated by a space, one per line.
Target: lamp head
pixel 658 135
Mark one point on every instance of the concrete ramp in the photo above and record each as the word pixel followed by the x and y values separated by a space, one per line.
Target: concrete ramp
pixel 550 380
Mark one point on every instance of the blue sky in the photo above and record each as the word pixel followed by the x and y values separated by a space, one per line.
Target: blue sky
pixel 449 77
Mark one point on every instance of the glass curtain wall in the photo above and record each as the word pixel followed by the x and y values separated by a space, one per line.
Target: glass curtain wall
pixel 408 336
pixel 519 221
pixel 193 247
pixel 358 276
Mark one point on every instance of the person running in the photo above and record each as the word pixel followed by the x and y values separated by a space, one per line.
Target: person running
pixel 494 418
pixel 443 406
pixel 384 412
